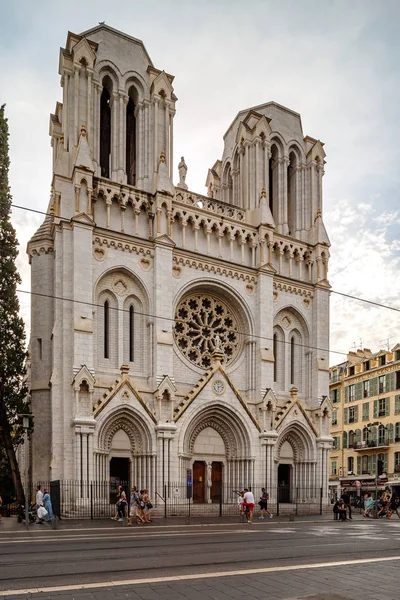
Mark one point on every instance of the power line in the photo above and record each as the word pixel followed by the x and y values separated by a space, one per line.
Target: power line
pixel 351 297
pixel 175 320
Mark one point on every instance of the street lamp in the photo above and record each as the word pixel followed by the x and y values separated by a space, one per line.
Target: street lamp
pixel 26 424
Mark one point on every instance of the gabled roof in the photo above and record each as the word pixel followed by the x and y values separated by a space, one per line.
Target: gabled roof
pixel 108 396
pixel 201 384
pixel 103 26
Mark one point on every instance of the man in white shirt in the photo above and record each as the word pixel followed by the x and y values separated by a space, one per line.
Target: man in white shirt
pixel 248 500
pixel 39 501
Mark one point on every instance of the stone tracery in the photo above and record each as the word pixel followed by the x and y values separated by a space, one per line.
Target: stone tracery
pixel 198 319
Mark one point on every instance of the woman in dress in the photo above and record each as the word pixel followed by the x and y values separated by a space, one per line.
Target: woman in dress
pixel 48 506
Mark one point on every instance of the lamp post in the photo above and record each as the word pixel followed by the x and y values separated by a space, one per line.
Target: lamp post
pixel 25 424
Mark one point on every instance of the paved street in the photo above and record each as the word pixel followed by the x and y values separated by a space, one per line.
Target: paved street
pixel 317 560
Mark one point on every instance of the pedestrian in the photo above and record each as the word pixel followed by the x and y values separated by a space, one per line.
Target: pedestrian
pixel 394 506
pixel 385 501
pixel 369 505
pixel 147 506
pixel 240 504
pixel 119 493
pixel 339 510
pixel 39 503
pixel 47 504
pixel 347 501
pixel 248 502
pixel 263 503
pixel 121 507
pixel 135 511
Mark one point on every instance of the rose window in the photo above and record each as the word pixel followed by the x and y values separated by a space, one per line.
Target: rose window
pixel 203 323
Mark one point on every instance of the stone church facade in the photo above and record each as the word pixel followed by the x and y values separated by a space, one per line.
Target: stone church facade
pixel 170 330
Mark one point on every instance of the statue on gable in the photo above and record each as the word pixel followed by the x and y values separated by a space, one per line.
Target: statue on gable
pixel 182 169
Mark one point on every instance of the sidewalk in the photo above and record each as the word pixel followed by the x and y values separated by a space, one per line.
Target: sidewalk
pixel 10 524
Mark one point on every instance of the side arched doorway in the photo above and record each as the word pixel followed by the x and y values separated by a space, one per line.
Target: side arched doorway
pixel 217 449
pixel 296 465
pixel 124 455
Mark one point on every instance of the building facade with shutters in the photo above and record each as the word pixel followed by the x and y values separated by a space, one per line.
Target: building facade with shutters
pixel 365 396
pixel 173 331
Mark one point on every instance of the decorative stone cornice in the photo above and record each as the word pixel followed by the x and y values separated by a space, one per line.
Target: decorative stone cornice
pixel 216 269
pixel 293 289
pixel 109 242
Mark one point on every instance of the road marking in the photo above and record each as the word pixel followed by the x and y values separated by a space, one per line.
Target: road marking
pixel 91 586
pixel 87 537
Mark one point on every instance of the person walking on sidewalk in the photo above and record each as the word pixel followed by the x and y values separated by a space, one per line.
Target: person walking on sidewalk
pixel 39 502
pixel 347 502
pixel 47 504
pixel 263 503
pixel 248 500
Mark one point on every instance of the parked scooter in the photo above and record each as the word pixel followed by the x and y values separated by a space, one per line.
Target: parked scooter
pixel 32 515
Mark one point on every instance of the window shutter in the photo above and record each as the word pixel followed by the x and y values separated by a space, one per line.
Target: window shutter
pixel 397 404
pixel 385 463
pixel 359 390
pixel 344 439
pixel 346 416
pixel 376 409
pixel 387 407
pixel 391 433
pixel 358 436
pixel 337 443
pixel 374 434
pixel 374 386
pixel 346 394
pixel 355 414
pixel 391 382
pixel 358 465
pixel 371 467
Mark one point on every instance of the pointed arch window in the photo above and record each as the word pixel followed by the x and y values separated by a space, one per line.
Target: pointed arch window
pixel 106 333
pixel 131 138
pixel 131 333
pixel 105 127
pixel 292 359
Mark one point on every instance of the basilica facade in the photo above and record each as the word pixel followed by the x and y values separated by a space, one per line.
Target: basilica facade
pixel 174 332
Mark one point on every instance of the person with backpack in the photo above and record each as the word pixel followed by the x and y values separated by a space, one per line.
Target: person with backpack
pixel 263 503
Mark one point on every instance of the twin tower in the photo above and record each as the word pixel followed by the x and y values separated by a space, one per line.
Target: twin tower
pixel 116 122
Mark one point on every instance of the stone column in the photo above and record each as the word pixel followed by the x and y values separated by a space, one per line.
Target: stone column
pixel 115 136
pixel 66 121
pixel 77 69
pixel 171 144
pixel 284 167
pixel 89 75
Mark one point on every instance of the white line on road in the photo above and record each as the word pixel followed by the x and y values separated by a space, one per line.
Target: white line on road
pixel 91 586
pixel 87 537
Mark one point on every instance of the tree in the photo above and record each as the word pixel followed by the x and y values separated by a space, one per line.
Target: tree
pixel 13 391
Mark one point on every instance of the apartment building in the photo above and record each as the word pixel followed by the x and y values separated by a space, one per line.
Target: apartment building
pixel 365 396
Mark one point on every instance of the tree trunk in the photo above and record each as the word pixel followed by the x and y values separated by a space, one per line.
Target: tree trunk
pixel 5 436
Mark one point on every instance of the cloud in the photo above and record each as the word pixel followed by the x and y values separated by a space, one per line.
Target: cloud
pixel 335 63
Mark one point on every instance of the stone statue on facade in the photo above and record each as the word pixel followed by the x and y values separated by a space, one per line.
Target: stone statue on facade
pixel 182 168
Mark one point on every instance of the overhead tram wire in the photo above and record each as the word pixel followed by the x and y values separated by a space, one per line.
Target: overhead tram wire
pixel 349 296
pixel 175 320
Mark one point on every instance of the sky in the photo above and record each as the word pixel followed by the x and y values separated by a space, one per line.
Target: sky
pixel 335 62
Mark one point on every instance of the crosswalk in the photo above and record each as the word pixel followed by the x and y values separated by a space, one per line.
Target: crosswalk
pixel 362 531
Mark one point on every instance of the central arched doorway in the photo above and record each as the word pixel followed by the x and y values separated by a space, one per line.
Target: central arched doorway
pixel 217 449
pixel 209 459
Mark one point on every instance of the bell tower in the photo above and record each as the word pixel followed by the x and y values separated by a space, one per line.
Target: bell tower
pixel 115 120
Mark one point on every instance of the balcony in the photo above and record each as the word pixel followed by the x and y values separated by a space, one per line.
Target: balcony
pixel 370 445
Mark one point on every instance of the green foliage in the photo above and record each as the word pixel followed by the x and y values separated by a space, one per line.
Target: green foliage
pixel 13 391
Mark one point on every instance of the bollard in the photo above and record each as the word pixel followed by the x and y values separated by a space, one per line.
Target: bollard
pixel 291 517
pixel 54 523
